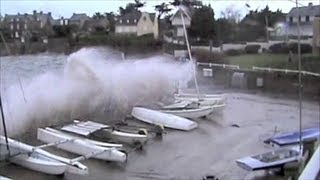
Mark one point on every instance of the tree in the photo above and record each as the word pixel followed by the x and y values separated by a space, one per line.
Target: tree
pixel 202 23
pixel 131 7
pixel 162 8
pixel 111 18
pixel 98 15
pixel 188 3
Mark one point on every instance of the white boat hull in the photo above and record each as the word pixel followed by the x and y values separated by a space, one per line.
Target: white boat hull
pixel 129 138
pixel 160 118
pixel 195 113
pixel 23 155
pixel 205 100
pixel 80 147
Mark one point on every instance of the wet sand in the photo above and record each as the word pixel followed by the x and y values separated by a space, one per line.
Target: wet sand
pixel 212 148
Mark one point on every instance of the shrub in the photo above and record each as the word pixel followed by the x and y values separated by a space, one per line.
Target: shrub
pixel 203 55
pixel 234 52
pixel 305 48
pixel 279 48
pixel 252 48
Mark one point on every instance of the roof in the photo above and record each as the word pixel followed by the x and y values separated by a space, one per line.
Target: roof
pixel 43 17
pixel 305 11
pixel 131 18
pixel 184 10
pixel 96 23
pixel 80 16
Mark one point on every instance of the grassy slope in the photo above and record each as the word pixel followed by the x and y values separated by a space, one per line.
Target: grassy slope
pixel 274 61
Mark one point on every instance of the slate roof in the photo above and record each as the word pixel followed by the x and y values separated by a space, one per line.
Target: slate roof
pixel 184 9
pixel 305 11
pixel 129 19
pixel 77 17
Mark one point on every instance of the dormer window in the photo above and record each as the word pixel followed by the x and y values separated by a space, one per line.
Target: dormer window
pixel 38 19
pixel 135 21
pixel 128 20
pixel 120 21
pixel 17 19
pixel 291 19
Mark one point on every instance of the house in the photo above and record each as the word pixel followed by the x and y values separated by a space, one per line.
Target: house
pixel 95 25
pixel 22 25
pixel 137 23
pixel 78 19
pixel 61 22
pixel 316 36
pixel 177 21
pixel 305 15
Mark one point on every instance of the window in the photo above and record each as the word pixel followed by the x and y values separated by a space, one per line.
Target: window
pixel 66 22
pixel 17 19
pixel 135 21
pixel 41 25
pixel 18 26
pixel 17 34
pixel 11 26
pixel 11 19
pixel 291 19
pixel 120 21
pixel 25 26
pixel 307 18
pixel 128 20
pixel 299 18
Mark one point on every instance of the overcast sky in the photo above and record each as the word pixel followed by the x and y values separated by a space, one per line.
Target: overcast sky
pixel 65 8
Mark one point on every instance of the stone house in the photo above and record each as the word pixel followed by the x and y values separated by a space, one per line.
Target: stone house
pixel 137 23
pixel 306 16
pixel 78 19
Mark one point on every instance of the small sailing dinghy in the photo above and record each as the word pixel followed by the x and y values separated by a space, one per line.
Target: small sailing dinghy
pixel 36 159
pixel 274 159
pixel 89 128
pixel 202 99
pixel 189 109
pixel 81 146
pixel 294 137
pixel 163 119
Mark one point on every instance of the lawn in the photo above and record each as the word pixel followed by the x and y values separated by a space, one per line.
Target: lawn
pixel 309 62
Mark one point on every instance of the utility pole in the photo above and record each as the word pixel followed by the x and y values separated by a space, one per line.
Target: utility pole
pixel 267 31
pixel 300 85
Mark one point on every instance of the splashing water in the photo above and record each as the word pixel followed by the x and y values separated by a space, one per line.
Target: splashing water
pixel 92 86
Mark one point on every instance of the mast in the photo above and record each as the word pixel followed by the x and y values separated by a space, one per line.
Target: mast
pixel 300 85
pixel 189 52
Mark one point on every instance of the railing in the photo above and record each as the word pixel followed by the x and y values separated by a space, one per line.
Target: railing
pixel 285 71
pixel 229 66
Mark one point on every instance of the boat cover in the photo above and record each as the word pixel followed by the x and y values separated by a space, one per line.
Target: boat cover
pixel 293 137
pixel 84 128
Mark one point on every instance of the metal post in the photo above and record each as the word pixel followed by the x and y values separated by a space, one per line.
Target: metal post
pixel 4 125
pixel 300 86
pixel 267 31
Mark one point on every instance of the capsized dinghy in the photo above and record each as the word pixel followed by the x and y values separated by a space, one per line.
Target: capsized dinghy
pixel 36 159
pixel 273 159
pixel 80 146
pixel 160 118
pixel 293 137
pixel 88 128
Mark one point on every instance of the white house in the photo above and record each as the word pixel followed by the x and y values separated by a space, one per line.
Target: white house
pixel 305 16
pixel 137 23
pixel 177 22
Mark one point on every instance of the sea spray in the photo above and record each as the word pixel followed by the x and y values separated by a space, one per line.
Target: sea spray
pixel 92 86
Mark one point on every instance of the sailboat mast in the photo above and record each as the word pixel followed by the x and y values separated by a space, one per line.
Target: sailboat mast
pixel 190 56
pixel 300 85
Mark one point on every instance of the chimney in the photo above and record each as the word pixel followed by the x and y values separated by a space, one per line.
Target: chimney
pixel 25 14
pixel 310 4
pixel 49 13
pixel 18 14
pixel 34 12
pixel 40 12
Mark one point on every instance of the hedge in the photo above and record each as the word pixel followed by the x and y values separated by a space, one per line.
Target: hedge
pixel 252 48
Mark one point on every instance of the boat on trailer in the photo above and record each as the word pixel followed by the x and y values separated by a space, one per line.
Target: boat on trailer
pixel 163 119
pixel 80 146
pixel 273 159
pixel 34 158
pixel 102 131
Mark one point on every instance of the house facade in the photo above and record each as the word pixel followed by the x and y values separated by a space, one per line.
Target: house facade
pixel 177 21
pixel 95 25
pixel 78 19
pixel 306 16
pixel 137 23
pixel 27 25
pixel 316 36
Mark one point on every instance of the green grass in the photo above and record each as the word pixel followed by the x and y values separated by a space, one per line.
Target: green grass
pixel 309 62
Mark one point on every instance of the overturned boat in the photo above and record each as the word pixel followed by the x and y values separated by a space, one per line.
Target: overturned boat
pixel 163 119
pixel 102 131
pixel 34 158
pixel 273 159
pixel 293 138
pixel 81 146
